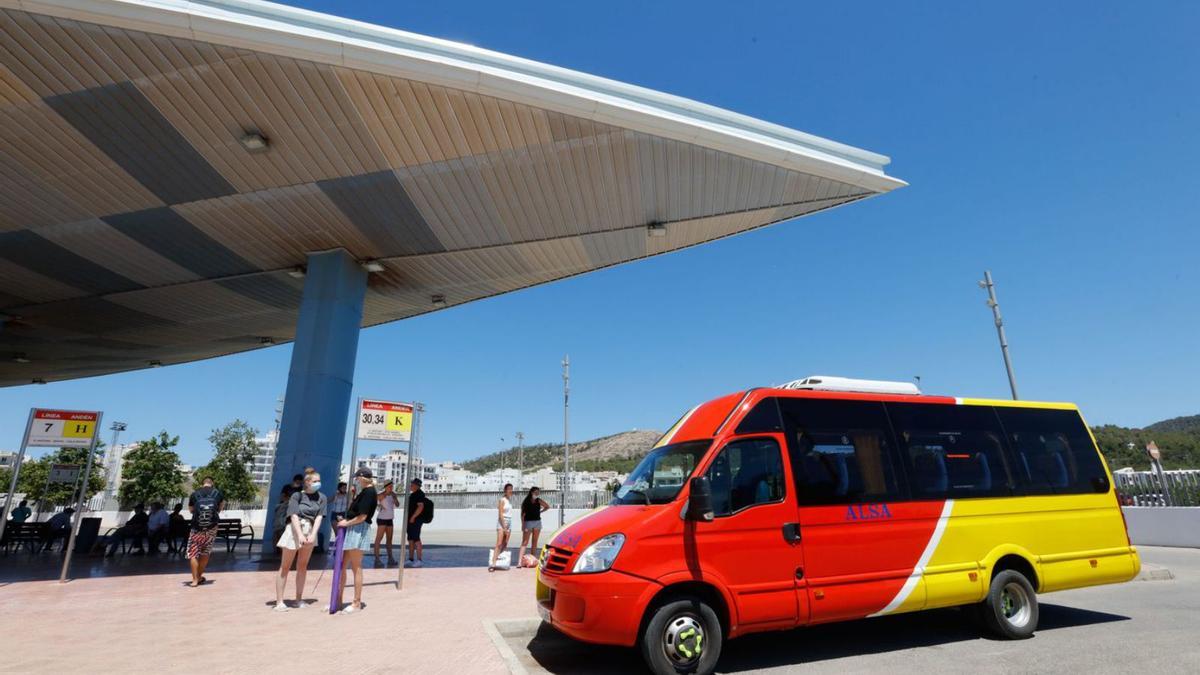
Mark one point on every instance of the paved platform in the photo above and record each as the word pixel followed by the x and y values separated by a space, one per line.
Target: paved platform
pixel 135 614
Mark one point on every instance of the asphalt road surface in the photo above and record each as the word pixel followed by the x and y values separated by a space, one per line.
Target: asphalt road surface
pixel 1138 627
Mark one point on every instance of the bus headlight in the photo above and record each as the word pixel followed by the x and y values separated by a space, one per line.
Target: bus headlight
pixel 600 555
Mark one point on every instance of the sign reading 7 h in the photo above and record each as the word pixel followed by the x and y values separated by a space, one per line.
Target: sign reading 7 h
pixel 62 429
pixel 385 421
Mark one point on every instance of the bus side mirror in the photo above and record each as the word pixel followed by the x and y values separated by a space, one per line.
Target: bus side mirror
pixel 700 500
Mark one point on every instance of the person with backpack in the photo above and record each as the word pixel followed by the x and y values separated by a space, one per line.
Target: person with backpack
pixel 205 505
pixel 305 510
pixel 420 511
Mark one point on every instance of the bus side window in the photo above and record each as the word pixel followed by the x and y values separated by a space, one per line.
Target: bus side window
pixel 1051 452
pixel 746 473
pixel 841 451
pixel 951 450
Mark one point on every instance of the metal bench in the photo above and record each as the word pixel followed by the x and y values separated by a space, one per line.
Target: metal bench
pixel 233 531
pixel 28 535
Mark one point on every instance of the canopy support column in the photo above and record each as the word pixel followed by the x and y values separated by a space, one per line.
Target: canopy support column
pixel 321 376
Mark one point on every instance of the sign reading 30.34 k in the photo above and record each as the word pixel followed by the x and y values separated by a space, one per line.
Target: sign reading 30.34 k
pixel 62 428
pixel 385 421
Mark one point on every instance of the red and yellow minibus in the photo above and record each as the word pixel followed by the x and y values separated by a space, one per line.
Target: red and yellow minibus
pixel 825 500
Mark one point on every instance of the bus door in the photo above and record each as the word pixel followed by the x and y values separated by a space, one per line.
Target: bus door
pixel 861 541
pixel 752 543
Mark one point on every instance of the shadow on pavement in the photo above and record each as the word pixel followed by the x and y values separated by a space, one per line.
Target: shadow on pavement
pixel 19 565
pixel 560 654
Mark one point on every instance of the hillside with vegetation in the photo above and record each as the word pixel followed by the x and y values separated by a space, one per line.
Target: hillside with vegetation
pixel 1178 439
pixel 618 452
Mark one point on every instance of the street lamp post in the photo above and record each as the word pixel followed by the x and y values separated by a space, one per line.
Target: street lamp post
pixel 990 287
pixel 520 460
pixel 566 479
pixel 111 458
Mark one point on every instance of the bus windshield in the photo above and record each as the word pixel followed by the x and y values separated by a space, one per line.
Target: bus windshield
pixel 661 474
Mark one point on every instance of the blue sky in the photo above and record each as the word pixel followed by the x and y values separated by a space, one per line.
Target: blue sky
pixel 1055 145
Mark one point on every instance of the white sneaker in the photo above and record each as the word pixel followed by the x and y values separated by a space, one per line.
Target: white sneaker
pixel 418 563
pixel 300 604
pixel 280 607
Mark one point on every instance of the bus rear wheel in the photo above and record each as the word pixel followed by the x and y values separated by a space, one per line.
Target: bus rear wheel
pixel 682 636
pixel 1010 610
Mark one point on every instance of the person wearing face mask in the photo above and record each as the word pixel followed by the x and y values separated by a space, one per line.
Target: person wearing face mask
pixel 304 511
pixel 357 524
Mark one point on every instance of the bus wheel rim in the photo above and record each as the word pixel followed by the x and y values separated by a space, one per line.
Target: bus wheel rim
pixel 684 640
pixel 1015 605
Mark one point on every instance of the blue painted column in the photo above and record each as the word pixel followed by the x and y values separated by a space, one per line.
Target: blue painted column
pixel 317 401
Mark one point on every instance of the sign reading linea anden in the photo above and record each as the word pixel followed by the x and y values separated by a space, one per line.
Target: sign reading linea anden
pixel 385 421
pixel 62 428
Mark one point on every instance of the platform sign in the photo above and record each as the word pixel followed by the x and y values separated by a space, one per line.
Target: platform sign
pixel 64 473
pixel 62 428
pixel 385 421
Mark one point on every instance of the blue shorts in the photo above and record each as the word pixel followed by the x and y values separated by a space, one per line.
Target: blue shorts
pixel 358 537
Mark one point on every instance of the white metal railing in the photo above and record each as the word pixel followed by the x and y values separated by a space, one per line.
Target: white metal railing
pixel 1179 487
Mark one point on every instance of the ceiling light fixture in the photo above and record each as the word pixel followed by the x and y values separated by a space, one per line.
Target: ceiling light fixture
pixel 37 380
pixel 438 301
pixel 266 340
pixel 154 364
pixel 253 141
pixel 20 358
pixel 297 272
pixel 372 265
pixel 656 230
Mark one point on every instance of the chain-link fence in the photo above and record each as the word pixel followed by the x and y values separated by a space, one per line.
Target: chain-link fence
pixel 1144 488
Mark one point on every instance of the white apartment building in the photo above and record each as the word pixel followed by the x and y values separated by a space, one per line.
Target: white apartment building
pixel 391 466
pixel 263 463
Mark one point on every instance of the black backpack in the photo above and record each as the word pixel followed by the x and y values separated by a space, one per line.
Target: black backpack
pixel 206 509
pixel 427 512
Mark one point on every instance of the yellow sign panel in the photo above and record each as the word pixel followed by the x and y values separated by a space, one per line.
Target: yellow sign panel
pixel 385 421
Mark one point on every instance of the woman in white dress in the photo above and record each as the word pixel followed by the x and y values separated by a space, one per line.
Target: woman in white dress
pixel 503 523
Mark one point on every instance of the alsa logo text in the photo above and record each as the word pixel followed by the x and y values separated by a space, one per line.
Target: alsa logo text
pixel 867 512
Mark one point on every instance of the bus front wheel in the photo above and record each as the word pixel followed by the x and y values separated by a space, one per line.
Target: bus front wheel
pixel 1010 610
pixel 682 636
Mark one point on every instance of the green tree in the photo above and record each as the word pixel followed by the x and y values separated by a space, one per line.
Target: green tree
pixel 151 471
pixel 233 447
pixel 34 473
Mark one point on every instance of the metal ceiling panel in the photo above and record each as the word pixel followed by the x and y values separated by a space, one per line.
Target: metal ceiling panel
pixel 49 259
pixel 118 119
pixel 170 235
pixel 379 206
pixel 135 226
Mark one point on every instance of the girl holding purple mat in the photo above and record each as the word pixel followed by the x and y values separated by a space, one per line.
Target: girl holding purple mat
pixel 357 525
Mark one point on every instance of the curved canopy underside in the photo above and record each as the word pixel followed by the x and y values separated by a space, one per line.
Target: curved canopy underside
pixel 137 228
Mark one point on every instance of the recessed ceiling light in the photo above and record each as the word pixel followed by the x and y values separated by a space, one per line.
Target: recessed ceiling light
pixel 266 340
pixel 438 300
pixel 37 380
pixel 20 358
pixel 253 141
pixel 297 272
pixel 656 230
pixel 154 364
pixel 372 266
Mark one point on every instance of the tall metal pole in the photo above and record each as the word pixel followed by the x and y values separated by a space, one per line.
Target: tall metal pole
pixel 111 458
pixel 520 460
pixel 990 287
pixel 66 568
pixel 566 478
pixel 16 471
pixel 414 446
